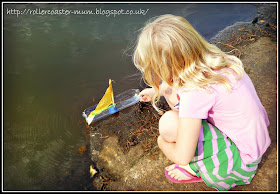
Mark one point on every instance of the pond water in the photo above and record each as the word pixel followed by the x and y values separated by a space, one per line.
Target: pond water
pixel 56 65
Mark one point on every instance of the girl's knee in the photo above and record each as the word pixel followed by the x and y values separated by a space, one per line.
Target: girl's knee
pixel 168 124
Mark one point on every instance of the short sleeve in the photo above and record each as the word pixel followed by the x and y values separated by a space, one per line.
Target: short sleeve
pixel 196 104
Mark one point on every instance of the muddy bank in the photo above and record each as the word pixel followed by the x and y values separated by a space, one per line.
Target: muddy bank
pixel 123 147
pixel 241 33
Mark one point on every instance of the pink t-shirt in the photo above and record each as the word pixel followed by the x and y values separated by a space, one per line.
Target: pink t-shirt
pixel 240 115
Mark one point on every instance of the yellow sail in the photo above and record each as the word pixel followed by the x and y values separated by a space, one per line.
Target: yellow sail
pixel 106 102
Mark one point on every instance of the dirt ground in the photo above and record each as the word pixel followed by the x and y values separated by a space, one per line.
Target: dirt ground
pixel 123 148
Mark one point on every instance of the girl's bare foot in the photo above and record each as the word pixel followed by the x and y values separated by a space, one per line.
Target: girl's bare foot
pixel 177 174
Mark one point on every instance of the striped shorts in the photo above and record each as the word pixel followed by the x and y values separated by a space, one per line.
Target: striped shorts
pixel 217 160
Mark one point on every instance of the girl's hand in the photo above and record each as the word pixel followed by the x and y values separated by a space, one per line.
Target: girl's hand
pixel 146 94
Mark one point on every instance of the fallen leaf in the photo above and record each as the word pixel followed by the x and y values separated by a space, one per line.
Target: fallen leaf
pixel 82 149
pixel 92 171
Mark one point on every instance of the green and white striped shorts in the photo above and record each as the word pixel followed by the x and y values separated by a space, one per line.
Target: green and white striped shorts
pixel 217 160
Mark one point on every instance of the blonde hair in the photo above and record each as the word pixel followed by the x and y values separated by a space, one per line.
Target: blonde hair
pixel 169 49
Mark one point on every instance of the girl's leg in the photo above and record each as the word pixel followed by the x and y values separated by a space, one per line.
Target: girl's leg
pixel 168 124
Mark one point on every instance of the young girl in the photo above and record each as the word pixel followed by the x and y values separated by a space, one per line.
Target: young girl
pixel 216 131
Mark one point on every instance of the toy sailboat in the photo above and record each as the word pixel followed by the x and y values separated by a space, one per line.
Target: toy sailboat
pixel 109 105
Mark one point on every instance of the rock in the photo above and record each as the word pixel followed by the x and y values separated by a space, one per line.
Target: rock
pixel 268 13
pixel 112 156
pixel 255 20
pixel 137 171
pixel 98 183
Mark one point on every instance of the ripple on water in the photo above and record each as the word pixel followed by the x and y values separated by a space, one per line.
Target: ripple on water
pixel 40 150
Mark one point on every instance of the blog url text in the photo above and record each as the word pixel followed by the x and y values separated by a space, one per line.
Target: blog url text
pixel 97 11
